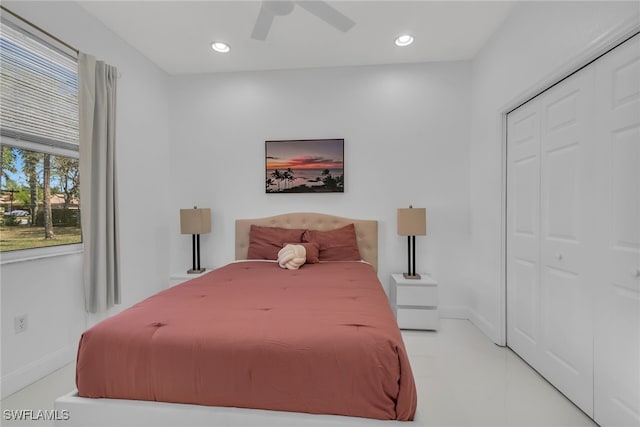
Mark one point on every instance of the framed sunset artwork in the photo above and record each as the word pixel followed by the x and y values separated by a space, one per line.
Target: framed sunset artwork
pixel 304 166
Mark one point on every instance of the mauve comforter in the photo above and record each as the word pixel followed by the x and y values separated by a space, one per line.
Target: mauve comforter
pixel 321 340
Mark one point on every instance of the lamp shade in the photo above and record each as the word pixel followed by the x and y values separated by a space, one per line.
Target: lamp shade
pixel 412 222
pixel 195 221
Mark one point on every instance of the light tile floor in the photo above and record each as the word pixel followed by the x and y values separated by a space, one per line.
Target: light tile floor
pixel 40 395
pixel 463 379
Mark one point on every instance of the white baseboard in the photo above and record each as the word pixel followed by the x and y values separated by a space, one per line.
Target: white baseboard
pixel 454 312
pixel 463 312
pixel 32 372
pixel 485 326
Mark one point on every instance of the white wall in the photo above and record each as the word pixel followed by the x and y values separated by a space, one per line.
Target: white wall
pixel 407 141
pixel 538 42
pixel 50 291
pixel 406 131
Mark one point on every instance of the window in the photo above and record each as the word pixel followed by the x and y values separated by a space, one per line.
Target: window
pixel 39 176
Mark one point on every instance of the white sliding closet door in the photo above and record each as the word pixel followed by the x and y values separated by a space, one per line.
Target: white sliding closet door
pixel 550 215
pixel 617 300
pixel 568 213
pixel 573 235
pixel 523 231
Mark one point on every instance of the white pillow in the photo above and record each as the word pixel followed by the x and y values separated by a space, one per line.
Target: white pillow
pixel 292 257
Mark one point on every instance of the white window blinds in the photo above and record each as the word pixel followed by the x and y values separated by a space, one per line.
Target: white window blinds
pixel 38 90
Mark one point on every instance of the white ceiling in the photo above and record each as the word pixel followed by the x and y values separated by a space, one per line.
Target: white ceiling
pixel 176 35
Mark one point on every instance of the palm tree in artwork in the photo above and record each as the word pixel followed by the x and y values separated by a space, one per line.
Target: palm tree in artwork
pixel 286 178
pixel 269 183
pixel 328 180
pixel 290 175
pixel 277 176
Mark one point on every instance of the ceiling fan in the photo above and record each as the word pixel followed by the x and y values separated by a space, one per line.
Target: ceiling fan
pixel 269 9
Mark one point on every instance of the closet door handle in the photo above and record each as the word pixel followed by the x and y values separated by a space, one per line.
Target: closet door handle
pixel 559 256
pixel 635 272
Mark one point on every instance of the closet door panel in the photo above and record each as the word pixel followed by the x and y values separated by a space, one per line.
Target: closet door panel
pixel 523 171
pixel 567 199
pixel 617 314
pixel 573 235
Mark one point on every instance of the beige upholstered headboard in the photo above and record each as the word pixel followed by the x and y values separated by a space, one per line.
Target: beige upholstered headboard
pixel 366 231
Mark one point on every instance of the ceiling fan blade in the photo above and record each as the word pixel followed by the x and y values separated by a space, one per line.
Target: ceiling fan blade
pixel 263 23
pixel 279 7
pixel 327 13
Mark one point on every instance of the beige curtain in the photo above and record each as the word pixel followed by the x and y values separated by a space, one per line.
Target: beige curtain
pixel 98 191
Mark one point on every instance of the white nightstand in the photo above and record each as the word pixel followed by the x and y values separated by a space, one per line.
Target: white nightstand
pixel 183 276
pixel 415 302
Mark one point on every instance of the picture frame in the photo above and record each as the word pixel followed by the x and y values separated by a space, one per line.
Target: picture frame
pixel 304 166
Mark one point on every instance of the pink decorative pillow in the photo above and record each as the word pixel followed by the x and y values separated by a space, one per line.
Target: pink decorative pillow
pixel 335 245
pixel 313 251
pixel 266 242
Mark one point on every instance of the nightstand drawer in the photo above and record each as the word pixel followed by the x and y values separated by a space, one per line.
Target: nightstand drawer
pixel 417 318
pixel 418 295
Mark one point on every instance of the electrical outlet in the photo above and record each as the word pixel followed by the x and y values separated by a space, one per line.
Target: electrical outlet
pixel 20 323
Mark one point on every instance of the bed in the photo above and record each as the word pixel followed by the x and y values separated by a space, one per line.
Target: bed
pixel 252 343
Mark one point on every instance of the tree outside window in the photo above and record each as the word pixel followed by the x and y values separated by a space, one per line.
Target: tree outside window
pixel 39 199
pixel 39 176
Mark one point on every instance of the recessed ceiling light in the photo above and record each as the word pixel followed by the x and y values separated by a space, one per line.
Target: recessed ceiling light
pixel 404 40
pixel 220 47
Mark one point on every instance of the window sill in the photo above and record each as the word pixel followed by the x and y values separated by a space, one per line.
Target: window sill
pixel 40 253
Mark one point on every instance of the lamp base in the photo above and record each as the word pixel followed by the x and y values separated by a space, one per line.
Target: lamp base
pixel 412 276
pixel 196 271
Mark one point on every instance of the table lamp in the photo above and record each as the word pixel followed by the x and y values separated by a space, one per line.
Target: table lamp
pixel 195 221
pixel 412 222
